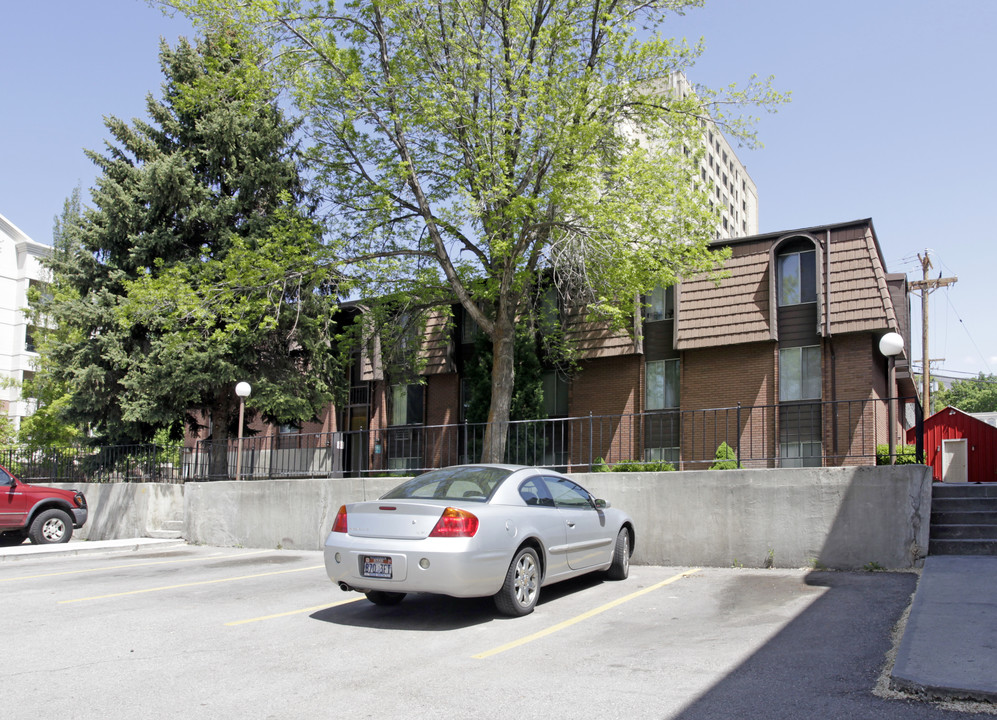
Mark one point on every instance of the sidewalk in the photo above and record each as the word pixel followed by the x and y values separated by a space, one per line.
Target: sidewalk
pixel 85 547
pixel 949 647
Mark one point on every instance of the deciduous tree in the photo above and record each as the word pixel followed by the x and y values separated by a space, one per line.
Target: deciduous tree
pixel 483 145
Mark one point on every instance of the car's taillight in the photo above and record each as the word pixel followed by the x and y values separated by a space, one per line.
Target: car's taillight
pixel 455 523
pixel 340 524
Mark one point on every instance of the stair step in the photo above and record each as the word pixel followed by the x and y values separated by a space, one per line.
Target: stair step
pixel 962 547
pixel 963 490
pixel 963 532
pixel 963 517
pixel 165 534
pixel 981 503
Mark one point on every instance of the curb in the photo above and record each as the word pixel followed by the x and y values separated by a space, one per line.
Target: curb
pixel 85 547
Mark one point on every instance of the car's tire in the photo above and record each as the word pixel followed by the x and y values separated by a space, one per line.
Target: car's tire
pixel 620 568
pixel 379 597
pixel 521 589
pixel 51 526
pixel 12 537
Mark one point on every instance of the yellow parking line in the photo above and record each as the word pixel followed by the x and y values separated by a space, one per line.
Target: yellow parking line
pixel 216 556
pixel 583 616
pixel 316 608
pixel 191 584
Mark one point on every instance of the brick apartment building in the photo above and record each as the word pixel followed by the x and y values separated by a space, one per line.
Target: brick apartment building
pixel 780 360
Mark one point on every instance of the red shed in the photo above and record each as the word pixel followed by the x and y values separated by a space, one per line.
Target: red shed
pixel 959 447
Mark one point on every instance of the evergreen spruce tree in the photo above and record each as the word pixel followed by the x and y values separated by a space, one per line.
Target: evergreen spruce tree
pixel 190 272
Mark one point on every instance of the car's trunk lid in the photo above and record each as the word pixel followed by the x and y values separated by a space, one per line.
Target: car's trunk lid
pixel 393 519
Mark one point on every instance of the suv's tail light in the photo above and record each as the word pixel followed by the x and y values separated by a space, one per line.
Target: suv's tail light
pixel 340 524
pixel 455 523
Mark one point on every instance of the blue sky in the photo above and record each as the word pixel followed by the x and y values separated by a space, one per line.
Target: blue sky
pixel 890 119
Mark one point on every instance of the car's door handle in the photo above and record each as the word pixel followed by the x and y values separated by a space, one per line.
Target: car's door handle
pixel 570 524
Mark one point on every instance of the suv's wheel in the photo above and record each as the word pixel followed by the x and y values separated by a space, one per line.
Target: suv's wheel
pixel 51 526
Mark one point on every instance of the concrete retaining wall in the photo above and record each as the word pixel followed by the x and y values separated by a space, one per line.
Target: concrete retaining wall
pixel 128 510
pixel 842 518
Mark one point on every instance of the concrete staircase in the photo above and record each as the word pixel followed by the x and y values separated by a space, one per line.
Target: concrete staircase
pixel 963 519
pixel 171 529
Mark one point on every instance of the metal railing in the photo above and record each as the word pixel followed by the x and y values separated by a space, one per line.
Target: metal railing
pixel 782 435
pixel 117 463
pixel 761 436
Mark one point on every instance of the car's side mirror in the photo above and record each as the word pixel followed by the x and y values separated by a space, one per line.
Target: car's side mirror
pixel 600 504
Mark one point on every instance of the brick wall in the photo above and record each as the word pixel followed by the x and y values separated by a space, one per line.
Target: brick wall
pixel 859 374
pixel 612 386
pixel 721 378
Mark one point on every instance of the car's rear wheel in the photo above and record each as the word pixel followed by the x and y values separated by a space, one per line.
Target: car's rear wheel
pixel 620 568
pixel 521 588
pixel 379 597
pixel 51 526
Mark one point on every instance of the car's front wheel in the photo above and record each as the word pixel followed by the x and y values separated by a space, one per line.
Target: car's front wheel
pixel 621 557
pixel 379 597
pixel 521 588
pixel 51 526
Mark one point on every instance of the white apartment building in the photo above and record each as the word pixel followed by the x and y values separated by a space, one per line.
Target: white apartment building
pixel 734 191
pixel 20 268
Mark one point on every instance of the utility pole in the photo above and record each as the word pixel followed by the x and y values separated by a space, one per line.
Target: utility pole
pixel 926 286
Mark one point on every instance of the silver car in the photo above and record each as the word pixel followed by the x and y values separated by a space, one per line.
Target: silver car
pixel 475 531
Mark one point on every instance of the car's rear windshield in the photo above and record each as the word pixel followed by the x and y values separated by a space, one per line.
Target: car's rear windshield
pixel 470 483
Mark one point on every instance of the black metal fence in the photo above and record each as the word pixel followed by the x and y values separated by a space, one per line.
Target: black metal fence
pixel 761 436
pixel 783 435
pixel 118 463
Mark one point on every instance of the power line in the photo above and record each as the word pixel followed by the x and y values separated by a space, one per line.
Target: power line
pixel 948 299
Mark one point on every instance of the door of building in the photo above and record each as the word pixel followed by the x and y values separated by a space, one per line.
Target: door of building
pixel 955 461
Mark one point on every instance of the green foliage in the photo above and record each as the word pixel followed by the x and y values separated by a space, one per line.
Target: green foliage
pixel 726 458
pixel 903 455
pixel 527 395
pixel 975 395
pixel 199 266
pixel 633 466
pixel 482 147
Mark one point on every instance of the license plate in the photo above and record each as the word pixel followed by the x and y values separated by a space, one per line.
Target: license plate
pixel 377 566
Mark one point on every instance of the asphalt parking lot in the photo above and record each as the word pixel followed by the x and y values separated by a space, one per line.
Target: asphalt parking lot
pixel 207 632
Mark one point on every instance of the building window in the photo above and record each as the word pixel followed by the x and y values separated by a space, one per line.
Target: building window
pixel 799 373
pixel 796 275
pixel 662 437
pixel 800 435
pixel 406 404
pixel 555 389
pixel 468 328
pixel 661 304
pixel 662 384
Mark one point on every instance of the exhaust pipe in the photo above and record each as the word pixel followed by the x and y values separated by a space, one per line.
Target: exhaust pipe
pixel 344 587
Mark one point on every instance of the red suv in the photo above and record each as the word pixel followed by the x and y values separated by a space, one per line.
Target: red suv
pixel 43 514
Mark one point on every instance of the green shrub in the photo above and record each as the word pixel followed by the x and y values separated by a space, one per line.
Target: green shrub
pixel 726 458
pixel 600 465
pixel 905 455
pixel 638 466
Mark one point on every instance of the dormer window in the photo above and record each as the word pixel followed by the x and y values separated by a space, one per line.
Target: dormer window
pixel 661 304
pixel 796 275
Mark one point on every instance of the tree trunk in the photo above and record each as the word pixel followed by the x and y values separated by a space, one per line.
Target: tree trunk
pixel 218 462
pixel 503 378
